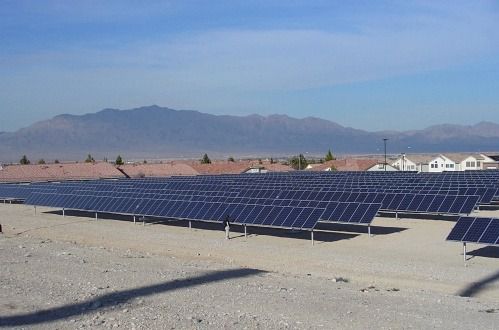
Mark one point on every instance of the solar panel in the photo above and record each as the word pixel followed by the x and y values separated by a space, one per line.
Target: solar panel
pixel 475 230
pixel 352 213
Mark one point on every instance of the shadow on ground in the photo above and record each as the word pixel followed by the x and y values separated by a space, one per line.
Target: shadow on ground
pixel 487 252
pixel 325 232
pixel 476 287
pixel 420 216
pixel 110 299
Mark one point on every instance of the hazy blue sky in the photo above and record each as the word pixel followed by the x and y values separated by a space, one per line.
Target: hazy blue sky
pixel 367 64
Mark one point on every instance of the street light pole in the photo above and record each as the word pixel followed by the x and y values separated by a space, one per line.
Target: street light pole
pixel 384 141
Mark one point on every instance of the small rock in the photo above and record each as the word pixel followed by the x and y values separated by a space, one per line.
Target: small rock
pixel 27 255
pixel 125 310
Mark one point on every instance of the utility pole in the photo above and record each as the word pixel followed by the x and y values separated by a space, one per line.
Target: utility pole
pixel 384 141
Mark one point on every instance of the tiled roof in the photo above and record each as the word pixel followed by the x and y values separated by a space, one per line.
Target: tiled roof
pixel 348 164
pixel 55 172
pixel 421 159
pixel 456 157
pixel 157 170
pixel 236 167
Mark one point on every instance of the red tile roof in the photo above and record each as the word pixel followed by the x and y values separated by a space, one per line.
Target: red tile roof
pixel 348 164
pixel 56 172
pixel 237 167
pixel 157 170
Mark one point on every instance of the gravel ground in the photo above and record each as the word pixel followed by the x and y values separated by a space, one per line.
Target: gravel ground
pixel 59 279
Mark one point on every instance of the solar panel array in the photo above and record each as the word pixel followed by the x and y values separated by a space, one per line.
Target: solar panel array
pixel 475 230
pixel 291 200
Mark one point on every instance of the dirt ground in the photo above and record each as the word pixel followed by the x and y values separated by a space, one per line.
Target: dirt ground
pixel 77 272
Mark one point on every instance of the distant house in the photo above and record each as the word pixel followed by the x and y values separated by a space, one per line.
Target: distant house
pixel 467 162
pixel 58 172
pixel 425 163
pixel 381 167
pixel 441 163
pixel 490 162
pixel 347 164
pixel 157 170
pixel 446 162
pixel 403 163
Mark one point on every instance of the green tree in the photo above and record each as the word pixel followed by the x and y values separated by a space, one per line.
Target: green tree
pixel 145 161
pixel 24 160
pixel 56 161
pixel 272 161
pixel 299 162
pixel 41 161
pixel 329 156
pixel 231 159
pixel 205 159
pixel 119 160
pixel 260 161
pixel 89 159
pixel 333 168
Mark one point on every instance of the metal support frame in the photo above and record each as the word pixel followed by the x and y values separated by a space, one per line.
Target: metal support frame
pixel 312 236
pixel 134 219
pixel 190 224
pixel 63 212
pixel 396 216
pixel 369 230
pixel 245 231
pixel 96 217
pixel 464 251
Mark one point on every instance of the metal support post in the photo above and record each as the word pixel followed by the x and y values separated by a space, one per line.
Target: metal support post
pixel 96 216
pixel 143 221
pixel 464 251
pixel 63 213
pixel 134 219
pixel 245 231
pixel 35 209
pixel 190 224
pixel 369 230
pixel 312 236
pixel 396 215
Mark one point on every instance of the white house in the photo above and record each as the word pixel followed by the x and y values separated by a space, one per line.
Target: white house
pixel 490 162
pixel 441 163
pixel 467 162
pixel 425 163
pixel 403 163
pixel 382 167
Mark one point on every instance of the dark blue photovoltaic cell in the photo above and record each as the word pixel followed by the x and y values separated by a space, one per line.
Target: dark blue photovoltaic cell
pixel 491 234
pixel 460 228
pixel 475 230
pixel 359 213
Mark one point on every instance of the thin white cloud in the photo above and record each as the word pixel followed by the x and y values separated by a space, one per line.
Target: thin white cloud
pixel 279 59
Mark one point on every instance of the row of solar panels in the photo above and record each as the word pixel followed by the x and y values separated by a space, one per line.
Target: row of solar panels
pixel 289 215
pixel 293 181
pixel 428 203
pixel 454 204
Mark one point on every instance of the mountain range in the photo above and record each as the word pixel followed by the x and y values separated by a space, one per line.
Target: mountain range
pixel 157 132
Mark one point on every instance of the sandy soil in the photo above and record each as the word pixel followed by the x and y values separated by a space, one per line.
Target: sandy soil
pixel 76 272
